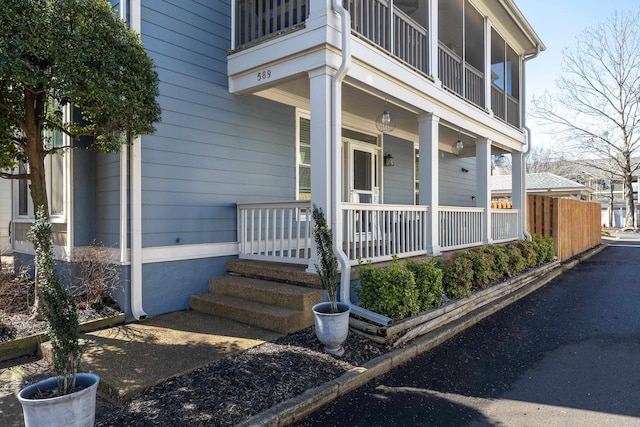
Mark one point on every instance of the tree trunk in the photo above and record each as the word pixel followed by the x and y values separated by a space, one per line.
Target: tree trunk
pixel 35 152
pixel 629 220
pixel 611 206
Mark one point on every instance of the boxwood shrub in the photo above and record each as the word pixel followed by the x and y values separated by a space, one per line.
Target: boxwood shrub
pixel 457 276
pixel 428 279
pixel 390 290
pixel 546 248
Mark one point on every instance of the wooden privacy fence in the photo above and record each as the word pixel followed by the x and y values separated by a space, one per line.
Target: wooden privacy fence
pixel 574 224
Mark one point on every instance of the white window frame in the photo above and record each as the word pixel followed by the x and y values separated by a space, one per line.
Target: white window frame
pixel 300 114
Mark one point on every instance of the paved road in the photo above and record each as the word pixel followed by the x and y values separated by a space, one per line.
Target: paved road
pixel 566 355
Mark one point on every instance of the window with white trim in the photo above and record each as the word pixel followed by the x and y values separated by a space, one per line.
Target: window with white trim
pixel 54 166
pixel 303 155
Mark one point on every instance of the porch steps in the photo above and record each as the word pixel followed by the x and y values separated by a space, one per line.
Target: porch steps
pixel 269 304
pixel 287 273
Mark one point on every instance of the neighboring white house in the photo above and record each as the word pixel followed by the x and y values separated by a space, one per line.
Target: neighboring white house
pixel 5 215
pixel 542 184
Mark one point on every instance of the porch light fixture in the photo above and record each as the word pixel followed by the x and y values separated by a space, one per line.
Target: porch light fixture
pixel 384 122
pixel 388 159
pixel 458 146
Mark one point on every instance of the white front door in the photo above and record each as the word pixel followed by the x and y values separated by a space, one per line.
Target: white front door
pixel 363 172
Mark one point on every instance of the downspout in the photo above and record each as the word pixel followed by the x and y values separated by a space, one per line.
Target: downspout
pixel 336 168
pixel 528 140
pixel 336 144
pixel 136 197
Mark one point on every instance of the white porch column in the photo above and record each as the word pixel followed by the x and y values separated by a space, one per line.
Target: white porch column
pixel 483 200
pixel 518 191
pixel 433 40
pixel 320 101
pixel 487 65
pixel 428 134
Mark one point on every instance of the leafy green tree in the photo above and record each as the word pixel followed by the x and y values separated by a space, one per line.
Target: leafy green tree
pixel 59 53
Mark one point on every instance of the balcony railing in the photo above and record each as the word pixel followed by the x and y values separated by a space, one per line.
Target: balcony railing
pixel 258 19
pixel 451 74
pixel 505 106
pixel 406 39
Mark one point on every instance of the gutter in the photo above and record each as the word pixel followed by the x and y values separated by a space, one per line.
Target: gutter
pixel 336 167
pixel 528 140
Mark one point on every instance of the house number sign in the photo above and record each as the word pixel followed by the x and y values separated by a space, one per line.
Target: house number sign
pixel 264 75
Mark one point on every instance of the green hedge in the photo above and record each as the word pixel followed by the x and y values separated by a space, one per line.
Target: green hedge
pixel 399 291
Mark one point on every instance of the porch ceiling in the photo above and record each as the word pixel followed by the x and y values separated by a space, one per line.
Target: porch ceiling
pixel 360 109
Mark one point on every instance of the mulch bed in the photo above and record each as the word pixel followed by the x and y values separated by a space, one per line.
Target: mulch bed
pixel 238 387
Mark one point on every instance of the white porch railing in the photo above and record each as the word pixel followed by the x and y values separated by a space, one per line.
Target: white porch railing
pixel 281 231
pixel 504 225
pixel 460 227
pixel 377 232
pixel 277 231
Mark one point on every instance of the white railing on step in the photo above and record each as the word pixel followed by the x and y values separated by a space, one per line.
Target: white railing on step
pixel 277 231
pixel 377 232
pixel 460 227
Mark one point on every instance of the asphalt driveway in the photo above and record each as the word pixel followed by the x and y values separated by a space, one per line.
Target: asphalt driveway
pixel 566 355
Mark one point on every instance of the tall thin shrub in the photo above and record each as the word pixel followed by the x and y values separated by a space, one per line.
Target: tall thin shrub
pixel 58 307
pixel 327 266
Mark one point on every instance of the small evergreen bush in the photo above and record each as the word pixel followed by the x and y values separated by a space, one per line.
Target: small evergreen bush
pixel 482 266
pixel 390 291
pixel 457 276
pixel 428 279
pixel 500 260
pixel 517 263
pixel 546 248
pixel 529 253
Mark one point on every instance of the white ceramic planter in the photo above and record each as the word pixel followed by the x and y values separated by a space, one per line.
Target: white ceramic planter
pixel 332 328
pixel 72 410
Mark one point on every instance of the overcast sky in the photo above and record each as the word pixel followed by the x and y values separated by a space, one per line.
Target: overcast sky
pixel 558 23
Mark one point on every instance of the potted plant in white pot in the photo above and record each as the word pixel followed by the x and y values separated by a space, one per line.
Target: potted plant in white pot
pixel 331 317
pixel 69 399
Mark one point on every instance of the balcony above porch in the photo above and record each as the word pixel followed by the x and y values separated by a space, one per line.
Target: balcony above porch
pixel 441 57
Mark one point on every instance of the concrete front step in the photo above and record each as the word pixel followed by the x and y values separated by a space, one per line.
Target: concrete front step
pixel 286 273
pixel 266 316
pixel 266 291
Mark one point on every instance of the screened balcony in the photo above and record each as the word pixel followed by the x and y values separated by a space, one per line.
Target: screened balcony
pixel 401 28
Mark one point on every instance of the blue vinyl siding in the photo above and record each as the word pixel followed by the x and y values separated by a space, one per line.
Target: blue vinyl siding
pixel 212 149
pixel 107 208
pixel 398 179
pixel 456 187
pixel 169 285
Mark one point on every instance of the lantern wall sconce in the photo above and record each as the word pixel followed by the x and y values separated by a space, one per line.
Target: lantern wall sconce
pixel 388 159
